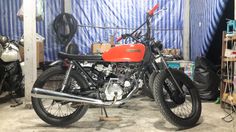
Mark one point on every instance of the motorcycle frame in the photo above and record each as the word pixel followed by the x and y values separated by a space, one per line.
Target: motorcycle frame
pixel 141 69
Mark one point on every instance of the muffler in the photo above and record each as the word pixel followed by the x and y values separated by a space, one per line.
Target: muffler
pixel 48 94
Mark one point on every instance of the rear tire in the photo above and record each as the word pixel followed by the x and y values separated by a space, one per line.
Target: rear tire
pixel 169 112
pixel 44 114
pixel 147 90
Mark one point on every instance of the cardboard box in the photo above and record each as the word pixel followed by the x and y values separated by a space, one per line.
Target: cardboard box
pixel 98 48
pixel 21 51
pixel 229 98
pixel 39 52
pixel 171 51
pixel 105 47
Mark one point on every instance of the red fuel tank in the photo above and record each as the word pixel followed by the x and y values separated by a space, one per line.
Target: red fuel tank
pixel 125 53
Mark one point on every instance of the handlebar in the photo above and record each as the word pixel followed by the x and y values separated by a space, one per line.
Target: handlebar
pixel 151 12
pixel 124 36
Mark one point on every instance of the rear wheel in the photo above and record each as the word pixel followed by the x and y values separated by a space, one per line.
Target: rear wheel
pixel 55 112
pixel 182 110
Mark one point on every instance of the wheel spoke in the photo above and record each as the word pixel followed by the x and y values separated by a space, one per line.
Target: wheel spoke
pixel 57 108
pixel 182 110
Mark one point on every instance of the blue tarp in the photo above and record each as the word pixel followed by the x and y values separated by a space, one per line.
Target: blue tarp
pixel 98 20
pixel 204 19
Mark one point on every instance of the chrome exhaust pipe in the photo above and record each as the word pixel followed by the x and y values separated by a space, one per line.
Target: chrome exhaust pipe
pixel 48 94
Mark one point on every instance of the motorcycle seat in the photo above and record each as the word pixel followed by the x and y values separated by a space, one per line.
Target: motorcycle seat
pixel 64 55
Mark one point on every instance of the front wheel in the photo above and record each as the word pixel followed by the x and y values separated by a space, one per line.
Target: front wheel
pixel 55 112
pixel 181 109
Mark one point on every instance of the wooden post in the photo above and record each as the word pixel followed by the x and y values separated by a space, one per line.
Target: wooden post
pixel 29 48
pixel 186 33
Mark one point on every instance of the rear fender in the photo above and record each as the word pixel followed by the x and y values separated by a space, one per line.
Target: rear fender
pixel 55 63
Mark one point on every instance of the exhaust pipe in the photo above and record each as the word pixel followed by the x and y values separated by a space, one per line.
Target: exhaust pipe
pixel 48 94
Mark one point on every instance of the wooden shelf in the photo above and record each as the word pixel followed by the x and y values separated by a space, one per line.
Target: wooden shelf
pixel 229 99
pixel 225 97
pixel 229 59
pixel 227 81
pixel 230 38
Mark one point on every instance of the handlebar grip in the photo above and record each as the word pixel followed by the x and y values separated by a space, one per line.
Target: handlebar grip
pixel 118 39
pixel 151 12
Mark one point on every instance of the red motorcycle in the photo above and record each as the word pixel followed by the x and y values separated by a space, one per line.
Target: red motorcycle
pixel 61 95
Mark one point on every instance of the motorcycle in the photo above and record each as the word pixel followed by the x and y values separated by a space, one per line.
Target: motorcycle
pixel 61 95
pixel 11 75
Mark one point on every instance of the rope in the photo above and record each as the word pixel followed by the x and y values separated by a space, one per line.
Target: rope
pixel 102 27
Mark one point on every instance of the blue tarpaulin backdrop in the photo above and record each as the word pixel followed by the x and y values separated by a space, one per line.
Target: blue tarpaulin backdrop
pixel 204 20
pixel 98 20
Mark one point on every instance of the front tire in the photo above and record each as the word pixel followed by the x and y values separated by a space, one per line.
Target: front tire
pixel 184 118
pixel 50 114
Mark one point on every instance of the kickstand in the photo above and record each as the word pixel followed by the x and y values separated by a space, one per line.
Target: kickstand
pixel 105 111
pixel 106 118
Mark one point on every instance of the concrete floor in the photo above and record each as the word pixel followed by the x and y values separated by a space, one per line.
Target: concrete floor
pixel 139 115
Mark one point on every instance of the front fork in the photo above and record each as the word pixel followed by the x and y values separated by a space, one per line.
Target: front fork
pixel 67 76
pixel 175 82
pixel 169 71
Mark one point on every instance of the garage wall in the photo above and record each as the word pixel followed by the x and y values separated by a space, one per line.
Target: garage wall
pixel 205 17
pixel 98 20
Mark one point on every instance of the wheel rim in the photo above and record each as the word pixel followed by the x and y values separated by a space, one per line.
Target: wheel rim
pixel 56 108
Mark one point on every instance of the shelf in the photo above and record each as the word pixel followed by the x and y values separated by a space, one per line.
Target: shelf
pixel 227 81
pixel 231 38
pixel 229 99
pixel 225 97
pixel 229 59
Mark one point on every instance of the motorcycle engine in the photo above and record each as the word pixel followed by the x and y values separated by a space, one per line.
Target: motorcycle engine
pixel 120 81
pixel 113 90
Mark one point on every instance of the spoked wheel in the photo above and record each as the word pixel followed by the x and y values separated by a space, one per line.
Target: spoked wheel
pixel 181 109
pixel 55 112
